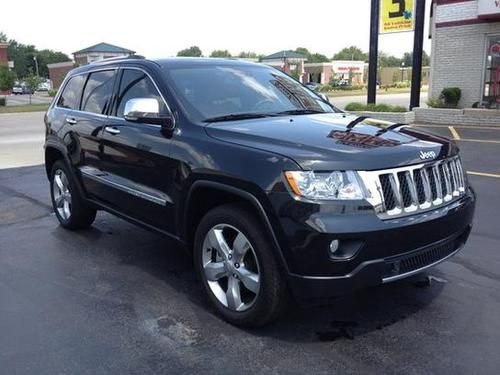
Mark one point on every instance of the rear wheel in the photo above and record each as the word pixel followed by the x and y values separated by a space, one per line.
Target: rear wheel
pixel 70 209
pixel 237 268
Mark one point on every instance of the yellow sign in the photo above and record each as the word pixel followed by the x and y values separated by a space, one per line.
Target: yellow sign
pixel 396 16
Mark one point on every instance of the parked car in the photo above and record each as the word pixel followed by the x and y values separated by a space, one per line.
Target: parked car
pixel 313 86
pixel 270 188
pixel 21 89
pixel 45 86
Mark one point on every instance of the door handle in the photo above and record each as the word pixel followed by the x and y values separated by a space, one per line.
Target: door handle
pixel 112 130
pixel 71 120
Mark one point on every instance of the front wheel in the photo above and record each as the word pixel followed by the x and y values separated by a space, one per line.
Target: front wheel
pixel 236 265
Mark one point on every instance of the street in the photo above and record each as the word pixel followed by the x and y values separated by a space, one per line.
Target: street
pixel 392 99
pixel 117 299
pixel 36 98
pixel 21 139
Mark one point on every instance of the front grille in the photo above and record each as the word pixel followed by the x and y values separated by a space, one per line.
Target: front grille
pixel 421 259
pixel 402 191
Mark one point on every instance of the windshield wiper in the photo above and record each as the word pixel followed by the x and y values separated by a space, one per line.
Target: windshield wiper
pixel 238 116
pixel 300 112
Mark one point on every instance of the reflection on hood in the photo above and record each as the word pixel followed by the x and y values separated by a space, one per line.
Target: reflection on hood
pixel 361 140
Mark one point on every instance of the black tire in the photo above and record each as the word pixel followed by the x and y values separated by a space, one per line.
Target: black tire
pixel 269 301
pixel 81 216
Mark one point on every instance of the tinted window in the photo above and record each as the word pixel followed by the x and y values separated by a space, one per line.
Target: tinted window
pixel 136 84
pixel 70 97
pixel 97 93
pixel 211 91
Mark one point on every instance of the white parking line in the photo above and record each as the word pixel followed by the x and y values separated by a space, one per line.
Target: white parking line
pixel 484 174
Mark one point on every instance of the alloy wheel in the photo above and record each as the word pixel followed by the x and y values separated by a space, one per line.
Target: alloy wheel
pixel 62 194
pixel 231 267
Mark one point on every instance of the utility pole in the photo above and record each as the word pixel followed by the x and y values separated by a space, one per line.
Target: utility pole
pixel 373 59
pixel 418 45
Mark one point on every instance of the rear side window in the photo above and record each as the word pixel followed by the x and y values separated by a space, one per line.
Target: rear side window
pixel 97 92
pixel 136 84
pixel 72 93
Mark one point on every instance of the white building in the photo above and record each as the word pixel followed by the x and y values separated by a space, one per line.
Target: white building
pixel 466 50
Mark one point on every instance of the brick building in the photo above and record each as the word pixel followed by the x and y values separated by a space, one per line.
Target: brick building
pixel 4 59
pixel 466 50
pixel 288 61
pixel 338 69
pixel 58 71
pixel 98 52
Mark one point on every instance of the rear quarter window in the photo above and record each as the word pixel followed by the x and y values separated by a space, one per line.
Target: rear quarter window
pixel 72 93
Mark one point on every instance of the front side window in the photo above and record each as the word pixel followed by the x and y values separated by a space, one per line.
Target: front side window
pixel 98 91
pixel 217 91
pixel 72 93
pixel 136 84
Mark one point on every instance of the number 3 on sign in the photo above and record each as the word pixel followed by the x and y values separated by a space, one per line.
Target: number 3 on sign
pixel 396 16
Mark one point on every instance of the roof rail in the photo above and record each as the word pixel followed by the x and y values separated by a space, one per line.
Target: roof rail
pixel 130 57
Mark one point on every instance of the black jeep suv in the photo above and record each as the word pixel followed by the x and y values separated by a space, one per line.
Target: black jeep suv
pixel 272 188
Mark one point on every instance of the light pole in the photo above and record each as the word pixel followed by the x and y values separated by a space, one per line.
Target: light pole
pixel 36 65
pixel 402 70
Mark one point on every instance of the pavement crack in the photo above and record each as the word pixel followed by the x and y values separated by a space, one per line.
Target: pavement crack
pixel 475 269
pixel 18 194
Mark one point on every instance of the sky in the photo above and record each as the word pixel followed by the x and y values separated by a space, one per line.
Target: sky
pixel 163 27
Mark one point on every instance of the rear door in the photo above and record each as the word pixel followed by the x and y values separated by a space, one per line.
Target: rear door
pixel 88 123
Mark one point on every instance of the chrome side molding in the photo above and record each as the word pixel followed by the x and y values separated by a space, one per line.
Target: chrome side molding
pixel 125 185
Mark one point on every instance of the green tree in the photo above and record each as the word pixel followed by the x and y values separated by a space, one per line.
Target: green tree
pixel 7 78
pixel 220 53
pixel 408 59
pixel 248 55
pixel 351 53
pixel 47 56
pixel 23 57
pixel 193 51
pixel 32 81
pixel 312 57
pixel 385 60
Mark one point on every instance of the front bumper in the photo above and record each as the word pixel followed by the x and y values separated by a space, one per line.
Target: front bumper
pixel 387 250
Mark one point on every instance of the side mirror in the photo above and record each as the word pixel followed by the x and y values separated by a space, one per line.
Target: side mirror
pixel 147 111
pixel 324 97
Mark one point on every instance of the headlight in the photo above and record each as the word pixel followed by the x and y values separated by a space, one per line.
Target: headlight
pixel 326 186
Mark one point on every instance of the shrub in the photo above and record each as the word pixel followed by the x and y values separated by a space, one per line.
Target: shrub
pixel 361 107
pixel 3 102
pixel 355 107
pixel 52 93
pixel 402 84
pixel 435 103
pixel 451 96
pixel 351 88
pixel 325 88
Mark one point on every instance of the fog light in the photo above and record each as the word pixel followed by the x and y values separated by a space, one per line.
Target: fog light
pixel 334 246
pixel 345 250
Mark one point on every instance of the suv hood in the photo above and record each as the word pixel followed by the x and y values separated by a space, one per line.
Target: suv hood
pixel 325 142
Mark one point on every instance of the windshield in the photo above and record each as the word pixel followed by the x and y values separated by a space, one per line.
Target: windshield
pixel 219 93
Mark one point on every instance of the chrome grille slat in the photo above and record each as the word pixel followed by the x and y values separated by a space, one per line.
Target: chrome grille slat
pixel 439 187
pixel 427 189
pixel 402 191
pixel 446 173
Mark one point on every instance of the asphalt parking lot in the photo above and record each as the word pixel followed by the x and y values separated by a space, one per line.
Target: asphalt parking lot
pixel 118 299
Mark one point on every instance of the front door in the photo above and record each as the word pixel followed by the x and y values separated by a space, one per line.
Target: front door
pixel 135 157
